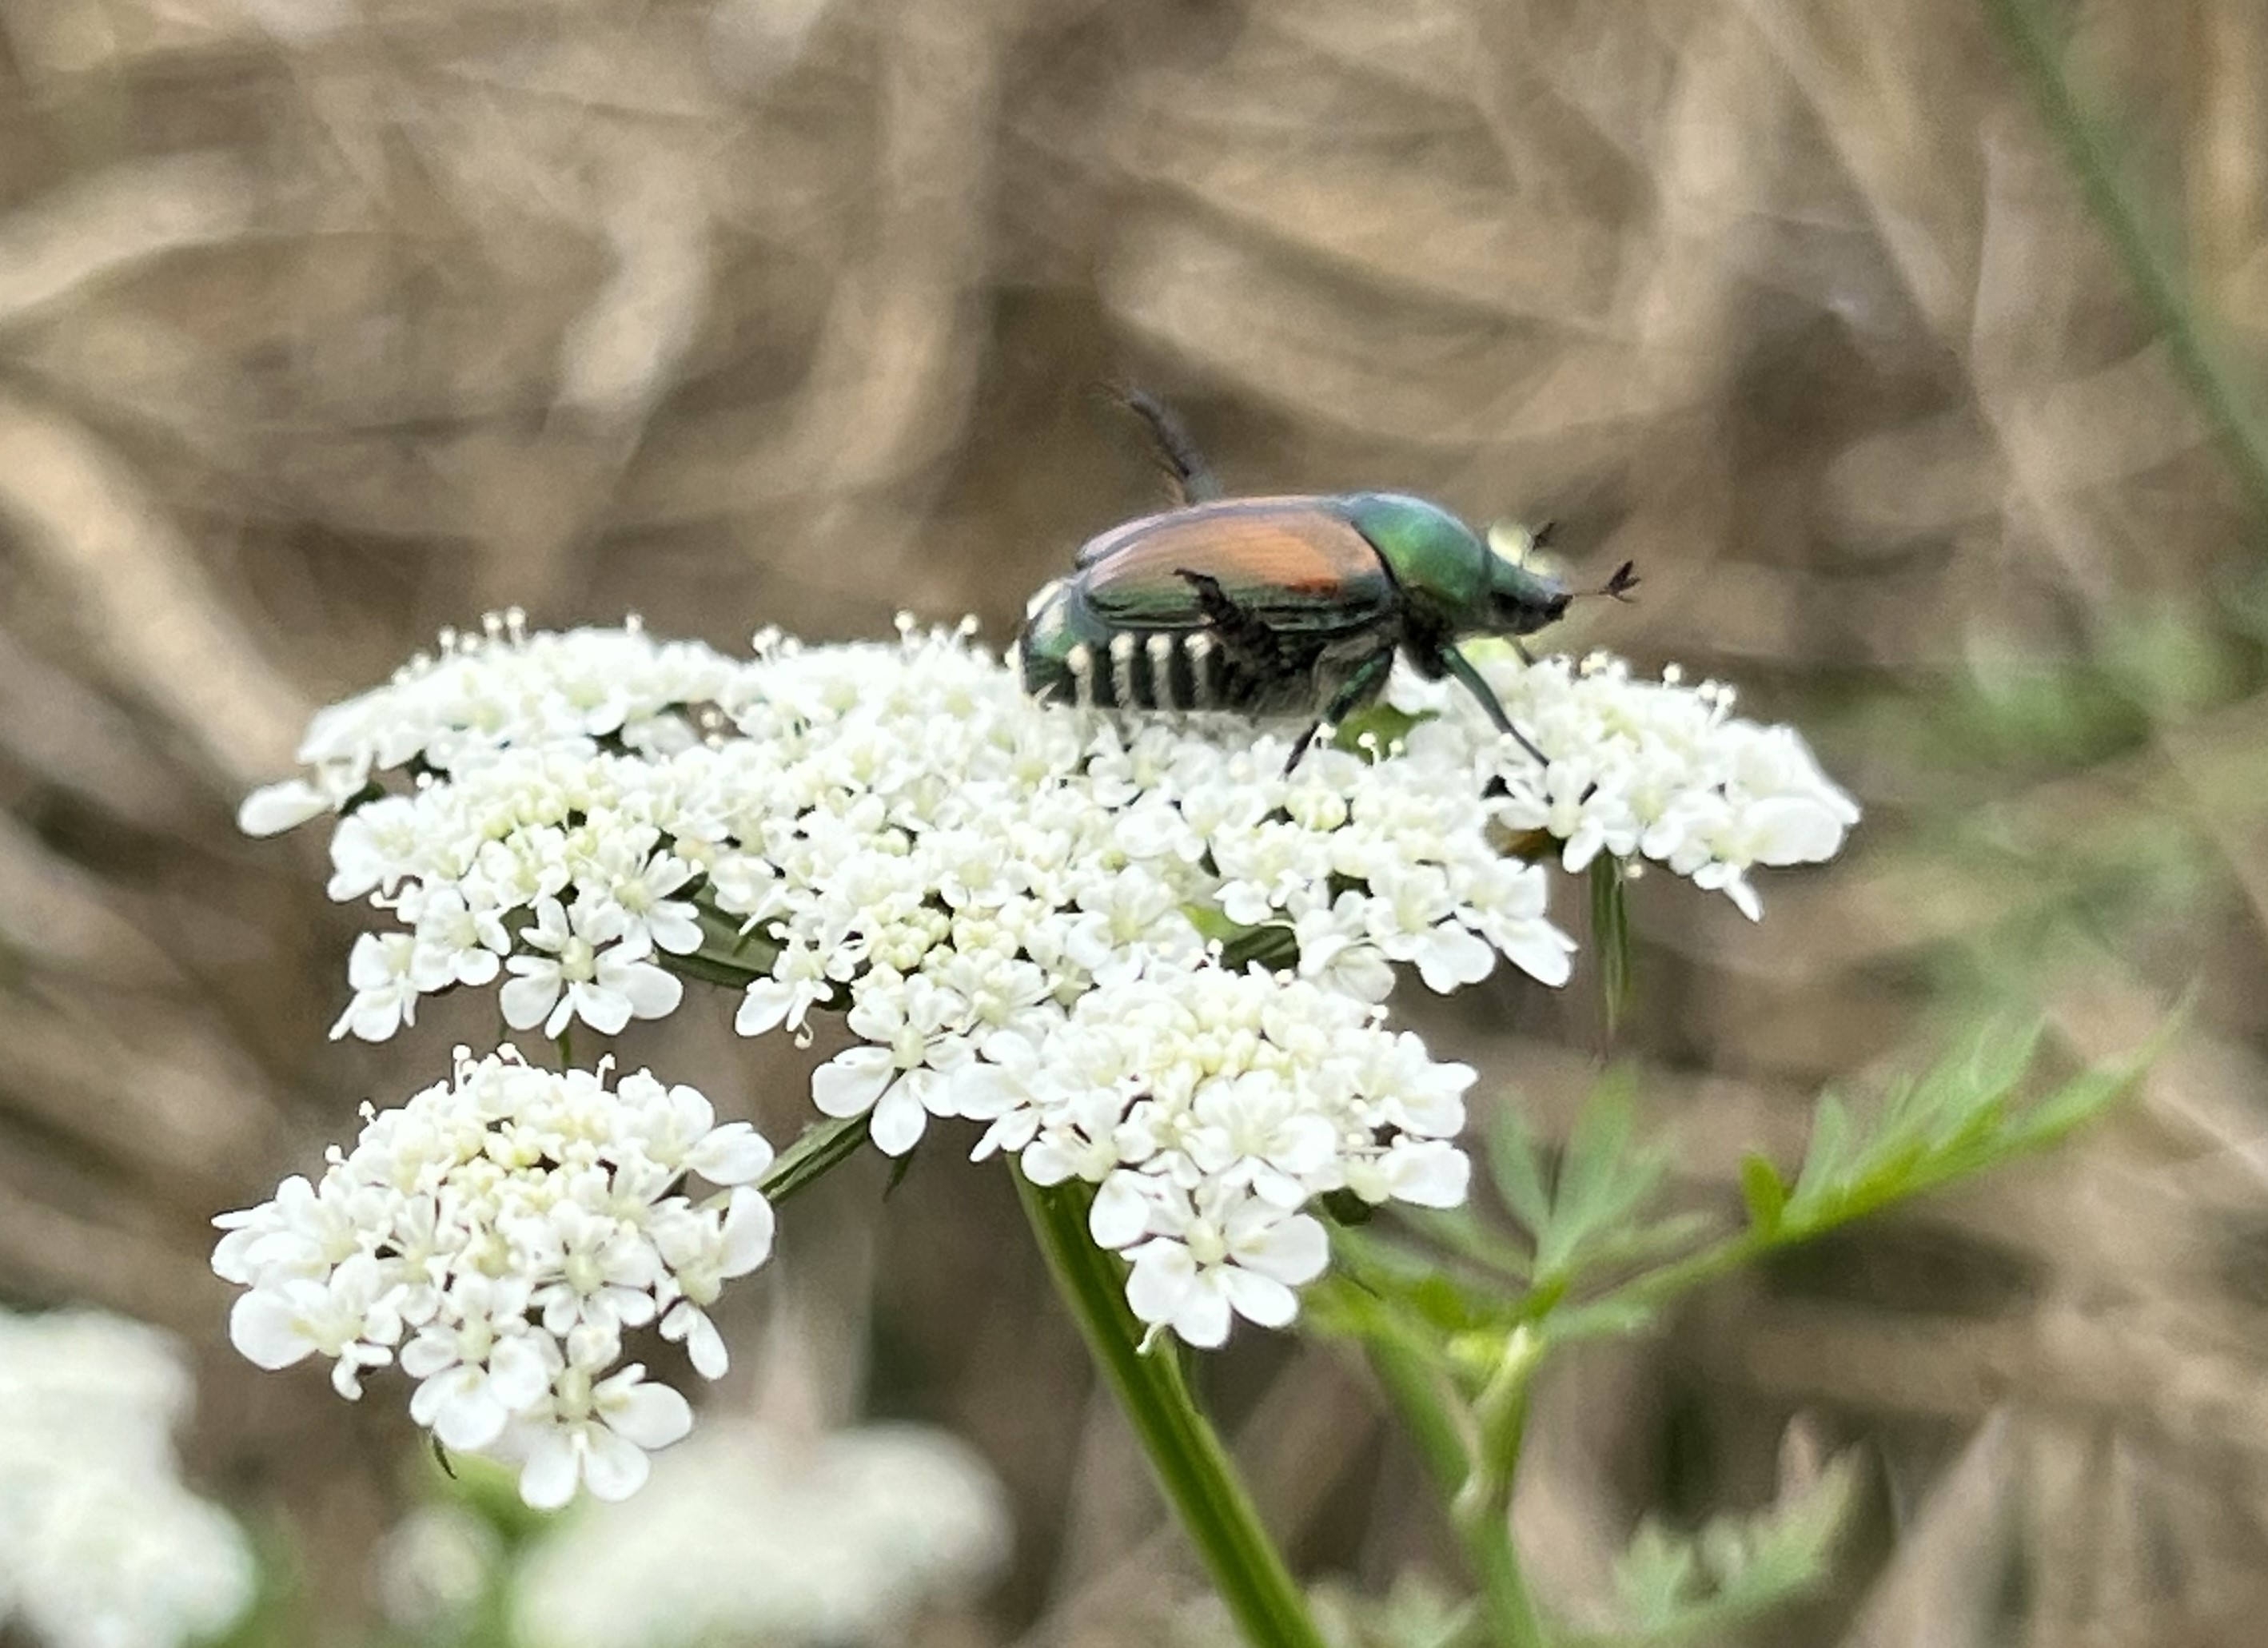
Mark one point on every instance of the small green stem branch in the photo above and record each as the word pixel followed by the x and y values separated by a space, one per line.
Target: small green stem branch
pixel 727 955
pixel 1192 1467
pixel 707 969
pixel 1421 1402
pixel 1482 1506
pixel 1650 1292
pixel 1479 1510
pixel 822 1148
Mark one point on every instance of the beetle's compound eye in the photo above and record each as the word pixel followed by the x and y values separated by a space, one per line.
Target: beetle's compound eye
pixel 1527 611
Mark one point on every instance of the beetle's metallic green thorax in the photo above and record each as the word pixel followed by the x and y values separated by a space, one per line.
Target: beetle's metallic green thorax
pixel 1455 583
pixel 1434 557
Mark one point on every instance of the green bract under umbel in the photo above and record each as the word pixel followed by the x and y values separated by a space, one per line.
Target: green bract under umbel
pixel 1277 607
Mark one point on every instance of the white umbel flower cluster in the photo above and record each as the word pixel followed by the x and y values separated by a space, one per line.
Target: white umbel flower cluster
pixel 101 1546
pixel 502 687
pixel 1213 1107
pixel 1647 770
pixel 1133 952
pixel 497 1235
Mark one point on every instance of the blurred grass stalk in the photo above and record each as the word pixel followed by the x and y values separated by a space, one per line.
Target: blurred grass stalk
pixel 2153 265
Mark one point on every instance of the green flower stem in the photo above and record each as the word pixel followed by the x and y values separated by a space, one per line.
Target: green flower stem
pixel 708 969
pixel 1482 1506
pixel 1411 1384
pixel 1628 1306
pixel 822 1148
pixel 1199 1480
pixel 1409 1380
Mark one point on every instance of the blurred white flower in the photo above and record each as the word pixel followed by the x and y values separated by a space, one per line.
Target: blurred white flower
pixel 746 1534
pixel 432 1567
pixel 101 1546
pixel 502 1229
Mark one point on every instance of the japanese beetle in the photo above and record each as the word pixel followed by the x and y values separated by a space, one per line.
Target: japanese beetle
pixel 1276 606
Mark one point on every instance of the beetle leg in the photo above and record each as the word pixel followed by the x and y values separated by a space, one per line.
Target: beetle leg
pixel 1186 470
pixel 1369 675
pixel 1460 666
pixel 1246 642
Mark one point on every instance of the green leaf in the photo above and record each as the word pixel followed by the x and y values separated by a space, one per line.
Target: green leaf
pixel 1609 1317
pixel 1516 1166
pixel 1603 1180
pixel 1271 944
pixel 1461 1232
pixel 1211 925
pixel 1380 722
pixel 1584 1213
pixel 1966 1114
pixel 1824 1158
pixel 1761 1189
pixel 1657 1579
pixel 1610 932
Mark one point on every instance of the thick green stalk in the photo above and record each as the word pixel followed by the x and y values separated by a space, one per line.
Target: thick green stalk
pixel 1199 1480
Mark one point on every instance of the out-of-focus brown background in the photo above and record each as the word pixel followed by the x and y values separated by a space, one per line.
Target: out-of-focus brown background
pixel 325 323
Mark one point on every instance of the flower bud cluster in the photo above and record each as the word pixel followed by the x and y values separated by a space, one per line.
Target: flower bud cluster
pixel 497 1235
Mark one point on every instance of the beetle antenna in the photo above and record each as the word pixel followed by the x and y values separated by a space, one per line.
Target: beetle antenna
pixel 1184 466
pixel 1619 586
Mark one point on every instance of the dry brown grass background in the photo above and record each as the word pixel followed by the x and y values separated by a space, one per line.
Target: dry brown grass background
pixel 324 323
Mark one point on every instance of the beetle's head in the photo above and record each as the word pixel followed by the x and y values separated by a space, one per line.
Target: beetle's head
pixel 1524 597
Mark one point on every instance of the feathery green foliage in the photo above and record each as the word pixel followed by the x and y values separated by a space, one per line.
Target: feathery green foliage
pixel 1674 1589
